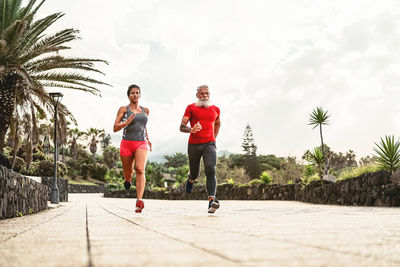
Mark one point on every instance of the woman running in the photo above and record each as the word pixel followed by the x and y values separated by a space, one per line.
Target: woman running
pixel 133 149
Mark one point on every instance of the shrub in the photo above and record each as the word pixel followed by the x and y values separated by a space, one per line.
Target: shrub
pixel 307 179
pixel 19 164
pixel 266 177
pixel 388 151
pixel 46 168
pixel 230 181
pixel 255 182
pixel 357 171
pixel 99 172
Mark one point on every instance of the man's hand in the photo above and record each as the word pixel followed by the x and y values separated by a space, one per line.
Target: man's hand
pixel 196 128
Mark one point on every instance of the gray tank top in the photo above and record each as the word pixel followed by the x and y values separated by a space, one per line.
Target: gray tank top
pixel 136 130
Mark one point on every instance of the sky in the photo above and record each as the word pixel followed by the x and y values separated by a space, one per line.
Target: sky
pixel 267 63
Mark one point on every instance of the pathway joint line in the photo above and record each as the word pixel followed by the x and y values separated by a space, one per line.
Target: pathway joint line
pixel 176 239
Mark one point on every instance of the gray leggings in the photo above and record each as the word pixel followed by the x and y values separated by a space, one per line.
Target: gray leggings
pixel 209 153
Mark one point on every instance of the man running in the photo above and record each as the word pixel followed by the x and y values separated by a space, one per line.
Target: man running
pixel 204 126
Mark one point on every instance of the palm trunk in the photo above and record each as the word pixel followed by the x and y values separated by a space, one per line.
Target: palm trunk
pixel 16 145
pixel 7 104
pixel 322 148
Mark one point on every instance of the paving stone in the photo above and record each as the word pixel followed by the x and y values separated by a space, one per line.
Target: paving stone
pixel 90 230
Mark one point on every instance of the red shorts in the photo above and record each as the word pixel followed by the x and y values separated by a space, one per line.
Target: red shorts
pixel 127 148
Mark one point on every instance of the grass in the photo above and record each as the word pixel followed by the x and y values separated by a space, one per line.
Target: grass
pixel 357 171
pixel 83 181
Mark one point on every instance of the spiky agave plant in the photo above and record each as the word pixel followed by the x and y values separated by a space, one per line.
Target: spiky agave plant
pixel 316 158
pixel 388 153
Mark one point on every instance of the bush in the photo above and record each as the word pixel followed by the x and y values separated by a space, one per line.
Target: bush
pixel 255 182
pixel 308 179
pixel 19 165
pixel 46 168
pixel 230 181
pixel 99 172
pixel 38 155
pixel 266 177
pixel 357 171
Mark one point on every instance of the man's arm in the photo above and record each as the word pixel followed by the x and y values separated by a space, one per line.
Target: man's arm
pixel 217 124
pixel 186 129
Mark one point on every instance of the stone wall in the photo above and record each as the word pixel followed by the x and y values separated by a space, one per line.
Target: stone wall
pixel 20 195
pixel 62 185
pixel 371 189
pixel 82 188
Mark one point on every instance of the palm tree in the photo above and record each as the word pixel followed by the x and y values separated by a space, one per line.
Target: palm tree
pixel 94 133
pixel 74 135
pixel 30 62
pixel 319 117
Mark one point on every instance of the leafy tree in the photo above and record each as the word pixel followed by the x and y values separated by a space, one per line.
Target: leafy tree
pixel 154 173
pixel 106 141
pixel 176 160
pixel 110 156
pixel 252 164
pixel 30 62
pixel 289 170
pixel 270 162
pixel 248 144
pixel 319 117
pixel 225 172
pixel 388 153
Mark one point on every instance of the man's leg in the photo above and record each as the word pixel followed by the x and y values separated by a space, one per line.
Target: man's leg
pixel 210 161
pixel 194 155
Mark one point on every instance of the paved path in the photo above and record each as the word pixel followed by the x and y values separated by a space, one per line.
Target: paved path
pixel 91 230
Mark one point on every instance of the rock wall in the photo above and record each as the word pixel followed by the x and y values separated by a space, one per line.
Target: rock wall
pixel 370 189
pixel 82 188
pixel 62 185
pixel 20 195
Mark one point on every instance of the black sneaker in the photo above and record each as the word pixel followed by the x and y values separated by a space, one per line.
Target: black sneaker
pixel 127 185
pixel 189 186
pixel 213 205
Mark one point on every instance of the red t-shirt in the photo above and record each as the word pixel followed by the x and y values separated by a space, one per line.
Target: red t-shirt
pixel 206 117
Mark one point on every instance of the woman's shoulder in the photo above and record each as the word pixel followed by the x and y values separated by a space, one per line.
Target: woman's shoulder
pixel 146 110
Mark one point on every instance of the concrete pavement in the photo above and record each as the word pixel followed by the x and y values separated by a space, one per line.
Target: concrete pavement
pixel 90 230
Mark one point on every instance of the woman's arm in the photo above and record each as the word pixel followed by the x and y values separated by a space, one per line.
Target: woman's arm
pixel 118 125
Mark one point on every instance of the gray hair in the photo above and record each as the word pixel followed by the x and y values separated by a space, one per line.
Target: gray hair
pixel 203 86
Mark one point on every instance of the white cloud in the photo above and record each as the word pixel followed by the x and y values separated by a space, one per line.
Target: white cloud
pixel 267 63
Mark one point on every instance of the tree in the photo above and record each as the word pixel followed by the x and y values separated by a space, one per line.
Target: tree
pixel 106 141
pixel 319 117
pixel 30 62
pixel 176 160
pixel 94 134
pixel 110 156
pixel 252 165
pixel 74 135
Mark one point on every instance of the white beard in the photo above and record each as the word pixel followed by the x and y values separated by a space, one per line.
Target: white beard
pixel 203 103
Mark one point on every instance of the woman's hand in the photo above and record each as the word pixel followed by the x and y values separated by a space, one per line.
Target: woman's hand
pixel 150 145
pixel 130 118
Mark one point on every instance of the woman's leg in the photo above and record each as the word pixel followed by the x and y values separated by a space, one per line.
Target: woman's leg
pixel 140 165
pixel 127 166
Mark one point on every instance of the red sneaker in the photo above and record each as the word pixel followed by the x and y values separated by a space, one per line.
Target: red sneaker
pixel 139 206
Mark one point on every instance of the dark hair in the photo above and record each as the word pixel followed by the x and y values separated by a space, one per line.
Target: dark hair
pixel 132 86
